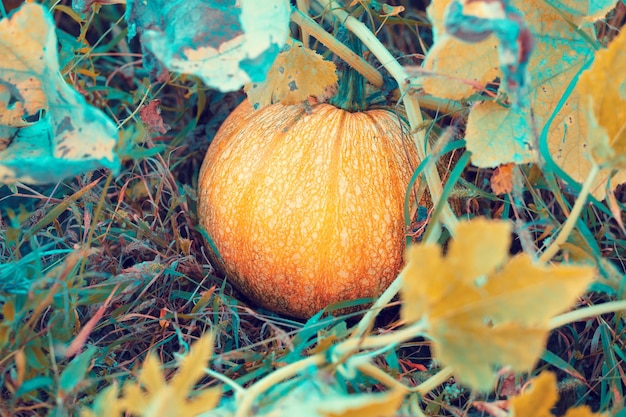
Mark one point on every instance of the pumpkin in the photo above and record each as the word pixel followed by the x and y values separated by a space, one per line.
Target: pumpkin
pixel 305 202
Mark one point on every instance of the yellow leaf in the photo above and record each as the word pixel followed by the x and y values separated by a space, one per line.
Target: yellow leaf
pixel 474 348
pixel 133 398
pixel 570 141
pixel 205 401
pixel 151 375
pixel 457 68
pixel 160 399
pixel 540 398
pixel 165 404
pixel 483 309
pixel 603 91
pixel 472 255
pixel 495 135
pixel 106 404
pixel 420 288
pixel 191 367
pixel 297 74
pixel 390 11
pixel 587 11
pixel 502 179
pixel 8 311
pixel 524 289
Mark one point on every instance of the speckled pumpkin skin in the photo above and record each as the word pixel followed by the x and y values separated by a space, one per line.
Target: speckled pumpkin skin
pixel 305 205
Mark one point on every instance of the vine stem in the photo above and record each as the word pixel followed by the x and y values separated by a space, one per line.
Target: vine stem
pixel 386 297
pixel 347 347
pixel 581 313
pixel 569 224
pixel 251 393
pixel 303 7
pixel 434 381
pixel 371 74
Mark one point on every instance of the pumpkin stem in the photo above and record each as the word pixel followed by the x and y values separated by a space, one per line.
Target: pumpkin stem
pixel 351 92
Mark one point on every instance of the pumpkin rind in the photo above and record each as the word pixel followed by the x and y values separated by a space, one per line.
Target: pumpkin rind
pixel 305 204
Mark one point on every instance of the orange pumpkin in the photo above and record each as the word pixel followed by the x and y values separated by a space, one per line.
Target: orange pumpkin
pixel 305 202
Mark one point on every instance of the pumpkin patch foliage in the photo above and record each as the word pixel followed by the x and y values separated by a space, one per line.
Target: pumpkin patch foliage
pixel 317 208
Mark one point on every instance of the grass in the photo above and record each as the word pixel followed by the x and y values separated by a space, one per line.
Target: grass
pixel 118 264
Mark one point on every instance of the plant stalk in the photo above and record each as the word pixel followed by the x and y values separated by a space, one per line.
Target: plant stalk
pixel 303 7
pixel 366 322
pixel 434 381
pixel 568 226
pixel 371 74
pixel 247 398
pixel 251 393
pixel 582 313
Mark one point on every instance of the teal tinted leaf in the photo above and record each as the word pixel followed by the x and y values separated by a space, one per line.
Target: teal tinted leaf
pixel 47 129
pixel 76 370
pixel 39 382
pixel 225 43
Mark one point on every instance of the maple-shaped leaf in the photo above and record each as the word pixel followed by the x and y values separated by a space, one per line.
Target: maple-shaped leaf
pixel 498 135
pixel 540 398
pixel 47 130
pixel 482 308
pixel 226 43
pixel 152 393
pixel 297 74
pixel 603 97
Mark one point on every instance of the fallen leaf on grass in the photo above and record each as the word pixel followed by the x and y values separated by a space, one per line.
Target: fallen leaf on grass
pixel 484 309
pixel 502 179
pixel 150 114
pixel 48 130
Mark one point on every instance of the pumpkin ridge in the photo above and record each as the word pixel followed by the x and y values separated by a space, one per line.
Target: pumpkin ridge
pixel 307 144
pixel 333 195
